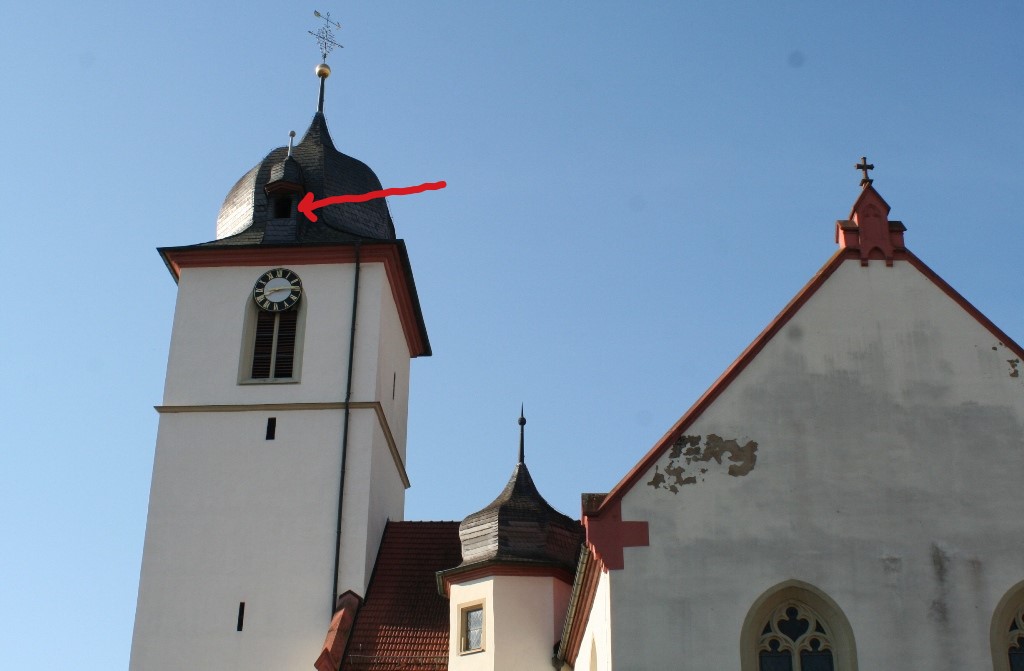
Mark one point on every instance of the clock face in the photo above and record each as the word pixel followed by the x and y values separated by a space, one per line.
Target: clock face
pixel 277 290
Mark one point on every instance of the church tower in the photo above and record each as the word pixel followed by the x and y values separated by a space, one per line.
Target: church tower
pixel 281 446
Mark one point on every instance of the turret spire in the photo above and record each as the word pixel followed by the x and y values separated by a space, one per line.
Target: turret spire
pixel 522 436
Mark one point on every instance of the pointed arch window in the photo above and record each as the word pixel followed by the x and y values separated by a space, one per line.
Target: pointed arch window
pixel 1015 651
pixel 1008 631
pixel 796 627
pixel 795 638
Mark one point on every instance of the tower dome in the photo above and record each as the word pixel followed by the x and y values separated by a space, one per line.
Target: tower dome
pixel 520 527
pixel 257 200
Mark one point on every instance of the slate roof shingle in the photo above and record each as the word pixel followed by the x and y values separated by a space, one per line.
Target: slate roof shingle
pixel 246 214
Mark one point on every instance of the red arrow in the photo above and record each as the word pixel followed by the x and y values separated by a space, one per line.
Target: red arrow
pixel 307 204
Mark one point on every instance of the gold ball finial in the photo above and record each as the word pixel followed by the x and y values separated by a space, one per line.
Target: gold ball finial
pixel 323 71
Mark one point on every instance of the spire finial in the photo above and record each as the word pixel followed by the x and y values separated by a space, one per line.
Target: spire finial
pixel 325 38
pixel 864 166
pixel 291 139
pixel 522 436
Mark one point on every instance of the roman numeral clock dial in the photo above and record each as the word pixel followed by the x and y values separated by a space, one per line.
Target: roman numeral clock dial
pixel 277 290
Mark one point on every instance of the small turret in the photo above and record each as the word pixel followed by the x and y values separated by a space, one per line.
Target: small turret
pixel 518 558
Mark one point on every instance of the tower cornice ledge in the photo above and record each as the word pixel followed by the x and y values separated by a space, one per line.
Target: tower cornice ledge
pixel 392 253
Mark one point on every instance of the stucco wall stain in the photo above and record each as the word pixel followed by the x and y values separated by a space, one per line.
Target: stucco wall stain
pixel 892 564
pixel 687 451
pixel 1014 371
pixel 938 611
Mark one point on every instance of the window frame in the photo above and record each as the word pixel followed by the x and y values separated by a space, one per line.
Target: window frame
pixel 1010 607
pixel 464 611
pixel 827 612
pixel 248 348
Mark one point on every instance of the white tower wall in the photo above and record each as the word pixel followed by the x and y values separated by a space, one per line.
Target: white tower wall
pixel 235 517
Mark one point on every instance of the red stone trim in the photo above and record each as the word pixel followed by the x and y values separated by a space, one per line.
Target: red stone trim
pixel 957 298
pixel 399 277
pixel 339 632
pixel 608 534
pixel 613 500
pixel 445 579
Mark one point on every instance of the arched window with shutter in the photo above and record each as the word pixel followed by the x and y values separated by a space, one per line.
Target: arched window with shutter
pixel 271 344
pixel 796 627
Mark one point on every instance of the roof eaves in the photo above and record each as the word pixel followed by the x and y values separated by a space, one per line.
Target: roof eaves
pixel 581 603
pixel 495 566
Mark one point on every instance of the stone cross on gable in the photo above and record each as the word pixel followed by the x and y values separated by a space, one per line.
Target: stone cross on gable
pixel 864 166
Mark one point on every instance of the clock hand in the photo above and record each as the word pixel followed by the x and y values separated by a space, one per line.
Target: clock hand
pixel 276 289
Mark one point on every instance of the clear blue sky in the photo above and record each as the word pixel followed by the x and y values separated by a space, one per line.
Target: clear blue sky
pixel 635 190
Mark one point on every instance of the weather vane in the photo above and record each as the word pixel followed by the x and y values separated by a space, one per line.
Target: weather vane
pixel 325 35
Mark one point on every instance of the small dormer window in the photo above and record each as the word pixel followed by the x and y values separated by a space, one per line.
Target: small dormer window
pixel 282 207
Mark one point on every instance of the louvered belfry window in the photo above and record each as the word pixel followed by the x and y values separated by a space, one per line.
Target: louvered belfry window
pixel 273 352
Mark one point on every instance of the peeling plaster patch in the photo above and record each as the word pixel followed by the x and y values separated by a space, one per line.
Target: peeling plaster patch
pixel 687 450
pixel 1014 363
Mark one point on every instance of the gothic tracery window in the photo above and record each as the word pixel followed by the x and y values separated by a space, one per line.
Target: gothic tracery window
pixel 1015 639
pixel 795 639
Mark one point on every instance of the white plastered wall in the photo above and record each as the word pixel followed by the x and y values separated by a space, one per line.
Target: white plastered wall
pixel 235 517
pixel 523 617
pixel 890 451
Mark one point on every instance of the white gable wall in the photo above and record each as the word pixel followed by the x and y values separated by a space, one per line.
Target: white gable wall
pixel 890 451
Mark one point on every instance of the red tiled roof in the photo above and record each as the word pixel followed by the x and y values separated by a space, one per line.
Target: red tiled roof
pixel 403 623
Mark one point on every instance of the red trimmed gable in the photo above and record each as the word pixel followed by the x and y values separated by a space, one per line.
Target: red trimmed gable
pixel 869 235
pixel 403 623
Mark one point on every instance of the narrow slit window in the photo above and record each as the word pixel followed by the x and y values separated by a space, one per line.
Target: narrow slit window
pixel 241 614
pixel 271 428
